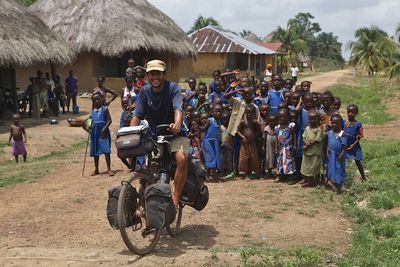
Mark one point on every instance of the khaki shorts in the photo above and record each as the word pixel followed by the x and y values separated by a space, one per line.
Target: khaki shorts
pixel 180 143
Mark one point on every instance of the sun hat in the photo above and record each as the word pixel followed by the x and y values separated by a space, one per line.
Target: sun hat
pixel 155 65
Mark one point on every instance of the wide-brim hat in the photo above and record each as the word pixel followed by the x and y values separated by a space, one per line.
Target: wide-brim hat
pixel 155 65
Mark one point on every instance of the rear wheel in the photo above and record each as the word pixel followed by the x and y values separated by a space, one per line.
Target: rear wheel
pixel 137 237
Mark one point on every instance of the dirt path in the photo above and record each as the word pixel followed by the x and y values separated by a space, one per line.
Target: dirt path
pixel 321 81
pixel 60 219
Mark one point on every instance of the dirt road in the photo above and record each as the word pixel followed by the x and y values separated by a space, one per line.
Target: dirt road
pixel 322 81
pixel 60 219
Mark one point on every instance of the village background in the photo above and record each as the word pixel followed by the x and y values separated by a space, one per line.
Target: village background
pixel 52 216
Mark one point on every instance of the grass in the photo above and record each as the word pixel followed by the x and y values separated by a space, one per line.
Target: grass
pixel 12 173
pixel 267 256
pixel 264 255
pixel 375 239
pixel 368 94
pixel 3 144
pixel 265 216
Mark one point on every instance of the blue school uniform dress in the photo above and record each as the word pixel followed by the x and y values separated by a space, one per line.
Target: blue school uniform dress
pixel 274 99
pixel 302 125
pixel 260 100
pixel 336 170
pixel 352 131
pixel 98 145
pixel 211 145
pixel 212 87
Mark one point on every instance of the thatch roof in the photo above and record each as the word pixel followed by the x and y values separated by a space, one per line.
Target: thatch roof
pixel 112 27
pixel 25 39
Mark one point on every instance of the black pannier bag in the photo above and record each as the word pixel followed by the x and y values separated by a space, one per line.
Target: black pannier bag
pixel 134 141
pixel 159 207
pixel 131 202
pixel 195 194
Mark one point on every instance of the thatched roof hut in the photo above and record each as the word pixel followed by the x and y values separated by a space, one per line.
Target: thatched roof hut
pixel 26 40
pixel 113 27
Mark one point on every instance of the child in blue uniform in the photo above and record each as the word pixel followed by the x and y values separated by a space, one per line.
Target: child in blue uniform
pixel 337 145
pixel 353 130
pixel 100 138
pixel 308 105
pixel 211 143
pixel 275 94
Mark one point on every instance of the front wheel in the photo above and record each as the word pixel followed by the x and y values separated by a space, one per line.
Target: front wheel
pixel 138 238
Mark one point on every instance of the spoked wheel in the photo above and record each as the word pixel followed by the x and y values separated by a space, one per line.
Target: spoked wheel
pixel 137 237
pixel 174 227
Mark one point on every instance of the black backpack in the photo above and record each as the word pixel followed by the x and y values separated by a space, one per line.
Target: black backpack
pixel 195 194
pixel 159 207
pixel 130 206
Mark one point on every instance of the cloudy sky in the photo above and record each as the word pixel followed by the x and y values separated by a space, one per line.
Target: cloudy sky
pixel 342 17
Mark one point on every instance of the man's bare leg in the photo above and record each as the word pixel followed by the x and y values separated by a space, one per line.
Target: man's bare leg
pixel 180 175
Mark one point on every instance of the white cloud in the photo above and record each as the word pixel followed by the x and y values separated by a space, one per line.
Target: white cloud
pixel 342 17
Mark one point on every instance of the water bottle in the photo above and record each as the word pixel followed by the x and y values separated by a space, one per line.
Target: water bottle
pixel 164 178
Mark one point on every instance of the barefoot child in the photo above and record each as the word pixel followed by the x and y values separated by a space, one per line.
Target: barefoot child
pixel 18 134
pixel 211 143
pixel 327 111
pixel 286 142
pixel 226 148
pixel 312 163
pixel 354 132
pixel 100 138
pixel 250 132
pixel 337 146
pixel 271 144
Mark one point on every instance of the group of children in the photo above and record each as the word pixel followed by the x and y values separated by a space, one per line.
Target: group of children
pixel 272 129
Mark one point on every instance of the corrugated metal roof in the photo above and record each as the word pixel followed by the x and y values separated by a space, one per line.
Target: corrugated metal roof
pixel 211 39
pixel 272 46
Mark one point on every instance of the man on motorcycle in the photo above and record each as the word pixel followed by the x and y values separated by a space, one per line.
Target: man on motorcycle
pixel 161 102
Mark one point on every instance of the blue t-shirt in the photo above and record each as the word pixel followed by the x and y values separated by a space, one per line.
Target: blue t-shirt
pixel 71 85
pixel 159 107
pixel 220 94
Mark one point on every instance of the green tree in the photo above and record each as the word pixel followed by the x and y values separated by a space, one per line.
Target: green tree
pixel 371 50
pixel 308 29
pixel 202 22
pixel 249 35
pixel 292 42
pixel 27 2
pixel 328 46
pixel 397 34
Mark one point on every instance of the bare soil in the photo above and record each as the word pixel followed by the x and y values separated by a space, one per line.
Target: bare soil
pixel 60 219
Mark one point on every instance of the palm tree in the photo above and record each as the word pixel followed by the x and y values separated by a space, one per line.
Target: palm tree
pixel 393 50
pixel 292 43
pixel 249 35
pixel 370 49
pixel 202 22
pixel 328 46
pixel 27 2
pixel 397 33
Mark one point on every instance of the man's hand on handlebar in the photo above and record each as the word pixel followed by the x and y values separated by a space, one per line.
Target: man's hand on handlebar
pixel 174 128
